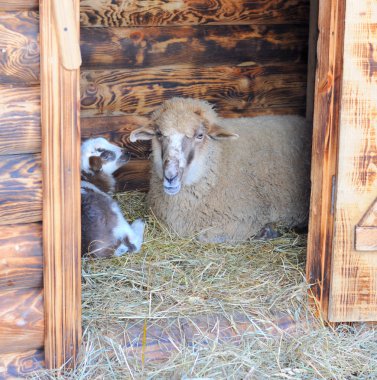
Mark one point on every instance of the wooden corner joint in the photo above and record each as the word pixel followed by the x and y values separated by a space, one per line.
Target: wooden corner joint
pixel 366 230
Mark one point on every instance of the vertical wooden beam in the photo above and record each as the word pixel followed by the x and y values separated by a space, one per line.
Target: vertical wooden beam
pixel 61 195
pixel 325 147
pixel 312 58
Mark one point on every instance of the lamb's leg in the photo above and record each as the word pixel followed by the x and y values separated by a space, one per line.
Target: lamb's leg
pixel 268 232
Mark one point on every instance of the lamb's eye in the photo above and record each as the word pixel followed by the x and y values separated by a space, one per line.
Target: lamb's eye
pixel 200 136
pixel 158 134
pixel 107 155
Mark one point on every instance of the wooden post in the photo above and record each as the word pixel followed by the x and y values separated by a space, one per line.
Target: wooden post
pixel 61 192
pixel 325 148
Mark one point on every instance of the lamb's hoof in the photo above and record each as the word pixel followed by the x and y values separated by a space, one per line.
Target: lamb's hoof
pixel 268 232
pixel 121 250
pixel 134 242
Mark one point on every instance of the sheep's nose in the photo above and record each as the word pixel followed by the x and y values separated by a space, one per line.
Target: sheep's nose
pixel 170 179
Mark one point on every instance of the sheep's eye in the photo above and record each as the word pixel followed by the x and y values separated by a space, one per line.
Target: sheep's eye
pixel 200 136
pixel 158 134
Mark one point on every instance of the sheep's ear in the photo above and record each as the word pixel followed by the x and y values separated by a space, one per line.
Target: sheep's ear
pixel 142 133
pixel 218 133
pixel 95 163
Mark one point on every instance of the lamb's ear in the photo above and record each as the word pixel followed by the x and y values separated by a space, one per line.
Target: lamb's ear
pixel 219 133
pixel 95 163
pixel 143 133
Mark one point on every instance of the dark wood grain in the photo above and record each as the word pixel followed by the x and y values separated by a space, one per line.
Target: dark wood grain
pixel 117 129
pixel 16 365
pixel 60 116
pixel 133 176
pixel 21 320
pixel 192 12
pixel 324 151
pixel 18 5
pixel 19 48
pixel 20 189
pixel 106 48
pixel 236 91
pixel 21 256
pixel 20 120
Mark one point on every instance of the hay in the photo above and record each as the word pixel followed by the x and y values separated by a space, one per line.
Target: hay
pixel 183 310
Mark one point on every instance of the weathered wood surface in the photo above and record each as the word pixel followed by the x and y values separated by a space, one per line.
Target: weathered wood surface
pixel 353 294
pixel 20 189
pixel 117 129
pixel 133 176
pixel 105 48
pixel 192 12
pixel 18 5
pixel 61 196
pixel 19 48
pixel 20 120
pixel 366 230
pixel 21 320
pixel 236 91
pixel 16 365
pixel 21 256
pixel 324 149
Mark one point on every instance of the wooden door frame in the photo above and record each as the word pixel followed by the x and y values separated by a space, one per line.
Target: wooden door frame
pixel 327 105
pixel 60 119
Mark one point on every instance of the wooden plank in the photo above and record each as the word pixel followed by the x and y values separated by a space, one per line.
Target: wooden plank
pixel 21 320
pixel 117 129
pixel 61 197
pixel 18 5
pixel 19 48
pixel 20 189
pixel 109 48
pixel 324 149
pixel 134 176
pixel 21 256
pixel 20 120
pixel 192 12
pixel 312 58
pixel 236 91
pixel 353 294
pixel 366 238
pixel 16 365
pixel 370 217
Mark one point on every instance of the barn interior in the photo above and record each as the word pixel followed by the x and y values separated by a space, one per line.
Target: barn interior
pixel 178 309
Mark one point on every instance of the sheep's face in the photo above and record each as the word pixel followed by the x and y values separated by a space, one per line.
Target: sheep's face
pixel 99 155
pixel 180 140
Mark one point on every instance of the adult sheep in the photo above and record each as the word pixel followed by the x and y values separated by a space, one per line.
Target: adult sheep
pixel 226 179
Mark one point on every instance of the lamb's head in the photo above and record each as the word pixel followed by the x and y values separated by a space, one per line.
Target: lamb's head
pixel 182 131
pixel 99 155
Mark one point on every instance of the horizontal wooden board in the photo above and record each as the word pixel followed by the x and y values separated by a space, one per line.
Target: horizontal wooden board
pixel 21 260
pixel 21 320
pixel 20 120
pixel 20 189
pixel 19 47
pixel 117 129
pixel 18 5
pixel 192 12
pixel 16 365
pixel 133 176
pixel 236 91
pixel 106 48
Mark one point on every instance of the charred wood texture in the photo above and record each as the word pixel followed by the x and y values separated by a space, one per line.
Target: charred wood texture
pixel 20 189
pixel 190 12
pixel 21 256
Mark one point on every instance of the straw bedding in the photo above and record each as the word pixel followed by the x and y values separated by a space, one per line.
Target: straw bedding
pixel 184 310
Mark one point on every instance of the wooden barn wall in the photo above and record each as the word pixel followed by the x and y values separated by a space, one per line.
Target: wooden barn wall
pixel 247 57
pixel 21 284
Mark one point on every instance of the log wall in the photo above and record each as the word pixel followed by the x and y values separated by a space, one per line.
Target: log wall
pixel 21 268
pixel 246 57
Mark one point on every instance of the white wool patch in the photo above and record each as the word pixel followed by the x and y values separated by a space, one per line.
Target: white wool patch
pixel 88 185
pixel 91 148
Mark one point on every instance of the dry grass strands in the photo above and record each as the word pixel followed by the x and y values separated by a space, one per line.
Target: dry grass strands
pixel 183 310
